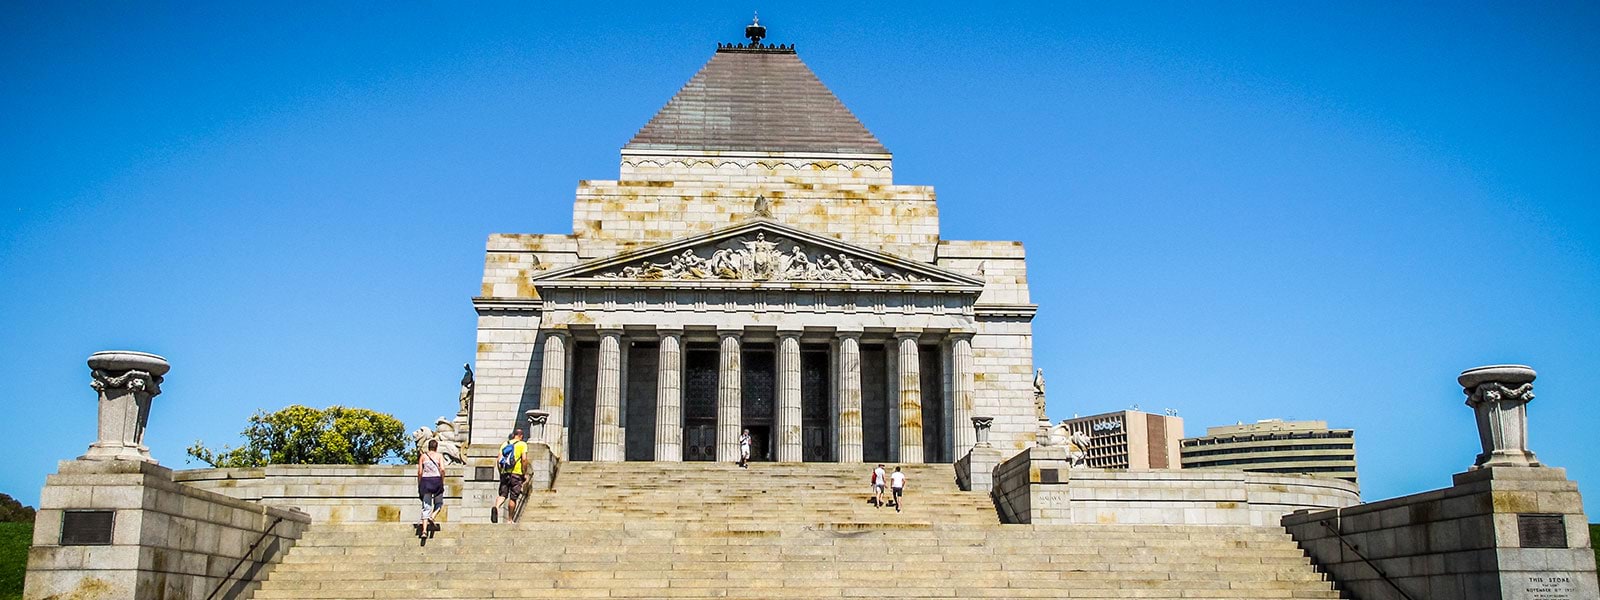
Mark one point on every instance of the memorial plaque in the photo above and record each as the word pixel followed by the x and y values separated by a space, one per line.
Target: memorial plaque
pixel 1049 476
pixel 1549 587
pixel 86 527
pixel 1541 531
pixel 483 474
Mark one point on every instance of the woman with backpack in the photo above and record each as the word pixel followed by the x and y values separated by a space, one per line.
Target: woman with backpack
pixel 430 484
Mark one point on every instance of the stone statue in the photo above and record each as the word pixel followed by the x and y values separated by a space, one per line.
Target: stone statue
pixel 763 207
pixel 1038 394
pixel 468 384
pixel 1078 449
pixel 1059 435
pixel 449 442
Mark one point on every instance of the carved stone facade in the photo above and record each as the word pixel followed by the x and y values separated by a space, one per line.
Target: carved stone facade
pixel 734 279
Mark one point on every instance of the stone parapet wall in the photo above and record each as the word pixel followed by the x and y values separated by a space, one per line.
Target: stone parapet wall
pixel 1038 486
pixel 331 493
pixel 1463 542
pixel 168 540
pixel 1177 496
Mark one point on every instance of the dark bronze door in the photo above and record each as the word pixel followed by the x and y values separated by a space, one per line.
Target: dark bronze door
pixel 814 439
pixel 700 405
pixel 759 386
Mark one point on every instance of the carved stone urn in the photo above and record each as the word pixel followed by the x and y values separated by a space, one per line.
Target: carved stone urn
pixel 536 424
pixel 1499 395
pixel 126 382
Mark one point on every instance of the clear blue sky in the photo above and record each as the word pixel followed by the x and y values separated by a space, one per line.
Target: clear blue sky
pixel 1240 211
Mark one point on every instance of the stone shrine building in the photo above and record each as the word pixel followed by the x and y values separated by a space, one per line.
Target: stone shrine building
pixel 755 266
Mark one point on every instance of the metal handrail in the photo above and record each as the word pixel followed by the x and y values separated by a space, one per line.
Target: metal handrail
pixel 244 558
pixel 1363 557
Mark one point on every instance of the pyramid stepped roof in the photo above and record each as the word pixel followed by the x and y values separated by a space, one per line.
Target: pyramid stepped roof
pixel 756 99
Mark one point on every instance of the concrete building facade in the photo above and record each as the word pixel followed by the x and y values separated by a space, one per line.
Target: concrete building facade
pixel 1130 439
pixel 1275 446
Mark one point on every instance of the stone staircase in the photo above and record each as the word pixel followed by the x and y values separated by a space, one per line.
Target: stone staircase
pixel 698 530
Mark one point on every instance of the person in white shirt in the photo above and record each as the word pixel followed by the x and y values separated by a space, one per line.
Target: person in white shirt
pixel 744 449
pixel 879 481
pixel 897 483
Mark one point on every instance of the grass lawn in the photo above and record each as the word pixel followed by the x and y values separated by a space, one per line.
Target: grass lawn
pixel 14 540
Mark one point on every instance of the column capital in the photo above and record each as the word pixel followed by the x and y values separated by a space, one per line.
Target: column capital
pixel 795 332
pixel 561 333
pixel 726 332
pixel 961 334
pixel 902 334
pixel 848 332
pixel 669 332
pixel 605 330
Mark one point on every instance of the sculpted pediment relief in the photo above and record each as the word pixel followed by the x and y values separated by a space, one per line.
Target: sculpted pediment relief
pixel 760 251
pixel 761 259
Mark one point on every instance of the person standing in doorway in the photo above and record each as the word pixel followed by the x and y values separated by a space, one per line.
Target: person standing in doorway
pixel 512 463
pixel 744 449
pixel 430 484
pixel 879 481
pixel 897 484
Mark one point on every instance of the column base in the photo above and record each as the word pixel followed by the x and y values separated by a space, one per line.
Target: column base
pixel 115 451
pixel 1506 458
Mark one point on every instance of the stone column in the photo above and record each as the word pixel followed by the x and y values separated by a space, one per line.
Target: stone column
pixel 788 417
pixel 910 397
pixel 849 437
pixel 729 398
pixel 553 391
pixel 608 398
pixel 126 381
pixel 1499 394
pixel 669 397
pixel 961 392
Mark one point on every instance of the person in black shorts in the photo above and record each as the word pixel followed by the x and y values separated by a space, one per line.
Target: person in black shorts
pixel 511 479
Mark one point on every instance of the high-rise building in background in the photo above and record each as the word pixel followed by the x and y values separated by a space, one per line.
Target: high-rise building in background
pixel 1131 439
pixel 1275 446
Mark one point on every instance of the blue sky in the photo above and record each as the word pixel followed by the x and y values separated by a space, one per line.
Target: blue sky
pixel 1237 210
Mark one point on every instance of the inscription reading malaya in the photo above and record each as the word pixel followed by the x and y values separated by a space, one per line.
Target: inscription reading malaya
pixel 760 260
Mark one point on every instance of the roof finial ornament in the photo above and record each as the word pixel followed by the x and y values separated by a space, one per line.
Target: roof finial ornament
pixel 755 31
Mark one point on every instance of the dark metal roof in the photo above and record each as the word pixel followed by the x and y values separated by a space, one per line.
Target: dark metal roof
pixel 756 98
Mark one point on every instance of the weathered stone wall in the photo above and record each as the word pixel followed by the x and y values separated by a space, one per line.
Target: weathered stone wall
pixel 1037 486
pixel 1463 542
pixel 169 541
pixel 331 493
pixel 510 355
pixel 1177 496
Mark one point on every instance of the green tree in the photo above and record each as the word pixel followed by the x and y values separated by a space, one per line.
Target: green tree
pixel 12 511
pixel 300 435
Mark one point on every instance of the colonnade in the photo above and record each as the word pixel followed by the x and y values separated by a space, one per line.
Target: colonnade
pixel 905 403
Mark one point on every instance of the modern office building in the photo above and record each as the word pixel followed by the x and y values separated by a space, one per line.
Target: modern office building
pixel 1131 439
pixel 1275 446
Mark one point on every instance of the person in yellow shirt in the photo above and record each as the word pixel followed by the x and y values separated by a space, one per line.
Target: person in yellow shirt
pixel 514 466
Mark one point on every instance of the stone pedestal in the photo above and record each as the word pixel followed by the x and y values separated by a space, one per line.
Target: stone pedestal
pixel 1499 396
pixel 126 381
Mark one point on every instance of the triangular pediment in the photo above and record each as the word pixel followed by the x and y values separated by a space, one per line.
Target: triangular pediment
pixel 765 252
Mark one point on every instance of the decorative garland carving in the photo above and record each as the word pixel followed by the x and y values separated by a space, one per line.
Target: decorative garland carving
pixel 1498 392
pixel 746 164
pixel 136 380
pixel 760 260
